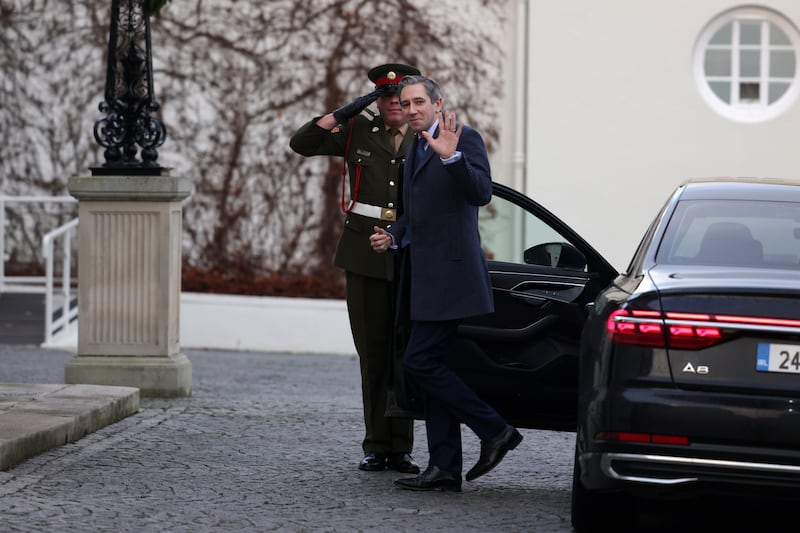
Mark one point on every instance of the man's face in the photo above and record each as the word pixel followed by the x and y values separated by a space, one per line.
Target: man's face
pixel 418 109
pixel 390 111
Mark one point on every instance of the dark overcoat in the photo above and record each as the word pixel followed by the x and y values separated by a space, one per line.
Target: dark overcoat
pixel 449 276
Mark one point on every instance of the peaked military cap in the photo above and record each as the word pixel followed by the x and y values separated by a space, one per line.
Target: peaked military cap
pixel 389 75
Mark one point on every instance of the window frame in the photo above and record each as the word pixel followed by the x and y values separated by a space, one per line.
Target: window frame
pixel 741 109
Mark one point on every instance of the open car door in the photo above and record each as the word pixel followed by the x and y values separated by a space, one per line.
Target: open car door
pixel 523 358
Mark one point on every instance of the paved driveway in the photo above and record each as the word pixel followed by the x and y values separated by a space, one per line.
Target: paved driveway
pixel 270 442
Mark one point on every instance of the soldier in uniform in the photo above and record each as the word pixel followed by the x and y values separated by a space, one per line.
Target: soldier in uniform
pixel 374 147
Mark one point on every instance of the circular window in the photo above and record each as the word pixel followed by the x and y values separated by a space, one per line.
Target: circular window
pixel 745 64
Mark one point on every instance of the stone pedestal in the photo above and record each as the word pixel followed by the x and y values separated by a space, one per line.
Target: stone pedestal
pixel 129 282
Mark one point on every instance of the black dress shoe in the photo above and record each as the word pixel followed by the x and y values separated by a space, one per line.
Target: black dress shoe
pixel 373 462
pixel 493 451
pixel 402 462
pixel 432 479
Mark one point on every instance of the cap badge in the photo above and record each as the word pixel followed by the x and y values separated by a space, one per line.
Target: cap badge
pixel 391 75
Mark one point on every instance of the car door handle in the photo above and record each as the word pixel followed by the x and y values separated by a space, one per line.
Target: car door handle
pixel 528 298
pixel 538 294
pixel 507 334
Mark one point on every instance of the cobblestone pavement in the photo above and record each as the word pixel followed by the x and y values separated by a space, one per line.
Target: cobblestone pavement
pixel 271 442
pixel 267 442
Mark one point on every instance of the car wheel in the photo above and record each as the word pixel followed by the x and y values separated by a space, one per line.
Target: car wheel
pixel 599 511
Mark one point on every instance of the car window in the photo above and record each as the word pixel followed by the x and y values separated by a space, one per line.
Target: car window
pixel 511 234
pixel 757 234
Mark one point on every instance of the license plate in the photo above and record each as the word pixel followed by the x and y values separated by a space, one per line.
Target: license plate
pixel 778 358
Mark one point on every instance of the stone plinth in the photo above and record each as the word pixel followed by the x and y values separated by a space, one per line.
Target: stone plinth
pixel 129 279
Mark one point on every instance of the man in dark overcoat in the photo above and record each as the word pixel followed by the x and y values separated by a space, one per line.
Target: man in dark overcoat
pixel 445 279
pixel 374 147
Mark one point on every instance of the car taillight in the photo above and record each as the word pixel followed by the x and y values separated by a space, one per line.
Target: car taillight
pixel 688 331
pixel 636 327
pixel 624 436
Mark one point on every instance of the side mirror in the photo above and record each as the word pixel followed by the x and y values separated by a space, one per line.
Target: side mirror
pixel 556 255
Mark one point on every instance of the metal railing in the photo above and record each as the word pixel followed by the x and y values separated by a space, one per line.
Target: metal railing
pixel 61 309
pixel 25 284
pixel 60 318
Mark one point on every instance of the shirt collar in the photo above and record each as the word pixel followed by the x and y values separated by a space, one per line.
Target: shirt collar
pixel 403 128
pixel 430 130
pixel 433 127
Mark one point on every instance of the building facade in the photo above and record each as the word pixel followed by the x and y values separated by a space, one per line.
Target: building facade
pixel 610 104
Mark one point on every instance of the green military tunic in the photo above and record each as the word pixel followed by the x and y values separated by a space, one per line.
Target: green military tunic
pixel 369 275
pixel 370 149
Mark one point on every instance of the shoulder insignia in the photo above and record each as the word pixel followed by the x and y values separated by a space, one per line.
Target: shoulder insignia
pixel 336 129
pixel 359 151
pixel 369 114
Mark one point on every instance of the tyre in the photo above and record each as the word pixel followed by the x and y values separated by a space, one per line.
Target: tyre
pixel 599 511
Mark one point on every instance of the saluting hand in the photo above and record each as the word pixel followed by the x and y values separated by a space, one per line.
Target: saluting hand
pixel 449 132
pixel 380 240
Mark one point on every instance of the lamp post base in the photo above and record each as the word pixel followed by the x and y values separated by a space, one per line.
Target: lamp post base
pixel 161 377
pixel 129 279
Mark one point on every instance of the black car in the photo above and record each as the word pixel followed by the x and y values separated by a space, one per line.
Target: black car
pixel 681 376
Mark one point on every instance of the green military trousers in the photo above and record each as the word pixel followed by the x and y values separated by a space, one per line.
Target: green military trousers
pixel 370 306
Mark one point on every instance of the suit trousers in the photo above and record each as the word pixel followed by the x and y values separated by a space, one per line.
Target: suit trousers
pixel 449 401
pixel 370 306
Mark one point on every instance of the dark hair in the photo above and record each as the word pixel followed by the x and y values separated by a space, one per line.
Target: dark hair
pixel 431 87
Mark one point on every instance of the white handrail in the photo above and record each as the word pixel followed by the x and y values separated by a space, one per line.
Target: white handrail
pixel 43 284
pixel 27 284
pixel 68 312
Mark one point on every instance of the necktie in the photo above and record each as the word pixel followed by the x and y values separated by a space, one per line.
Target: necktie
pixel 419 152
pixel 396 137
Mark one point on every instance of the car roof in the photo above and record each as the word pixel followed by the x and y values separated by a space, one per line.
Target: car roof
pixel 745 188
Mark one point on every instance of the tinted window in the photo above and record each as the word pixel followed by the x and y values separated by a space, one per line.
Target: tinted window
pixel 733 233
pixel 511 234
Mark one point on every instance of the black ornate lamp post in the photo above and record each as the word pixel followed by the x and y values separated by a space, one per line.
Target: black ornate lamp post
pixel 129 236
pixel 128 127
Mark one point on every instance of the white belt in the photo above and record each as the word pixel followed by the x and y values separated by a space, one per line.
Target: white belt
pixel 374 211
